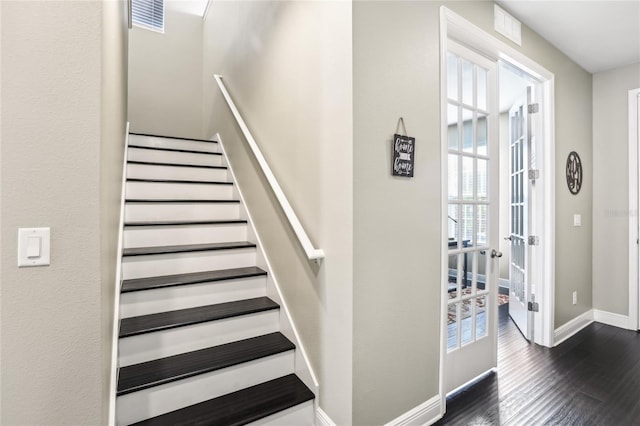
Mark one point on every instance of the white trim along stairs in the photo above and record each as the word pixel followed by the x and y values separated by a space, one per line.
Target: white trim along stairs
pixel 202 340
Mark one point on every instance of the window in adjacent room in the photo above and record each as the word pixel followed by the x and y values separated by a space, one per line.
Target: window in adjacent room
pixel 148 14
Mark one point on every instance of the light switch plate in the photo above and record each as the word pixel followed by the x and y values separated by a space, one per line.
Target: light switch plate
pixel 26 251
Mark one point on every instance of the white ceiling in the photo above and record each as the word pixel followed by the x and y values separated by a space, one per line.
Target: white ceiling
pixel 191 7
pixel 597 34
pixel 513 87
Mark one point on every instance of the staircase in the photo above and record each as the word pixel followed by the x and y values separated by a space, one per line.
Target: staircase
pixel 199 340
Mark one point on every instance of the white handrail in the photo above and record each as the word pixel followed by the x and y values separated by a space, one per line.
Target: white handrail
pixel 312 252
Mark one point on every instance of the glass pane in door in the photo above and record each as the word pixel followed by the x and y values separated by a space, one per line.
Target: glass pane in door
pixel 468 201
pixel 471 115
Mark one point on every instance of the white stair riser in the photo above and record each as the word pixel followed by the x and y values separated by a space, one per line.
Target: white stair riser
pixel 181 211
pixel 172 157
pixel 183 263
pixel 137 406
pixel 150 236
pixel 151 171
pixel 178 191
pixel 301 414
pixel 161 344
pixel 173 143
pixel 146 302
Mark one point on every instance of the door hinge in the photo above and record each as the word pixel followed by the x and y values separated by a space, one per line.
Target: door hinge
pixel 533 108
pixel 533 240
pixel 534 174
pixel 533 306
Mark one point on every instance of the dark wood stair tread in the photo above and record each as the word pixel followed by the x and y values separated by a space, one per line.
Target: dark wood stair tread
pixel 172 137
pixel 181 200
pixel 137 377
pixel 142 251
pixel 149 283
pixel 185 222
pixel 240 407
pixel 134 326
pixel 200 182
pixel 156 163
pixel 188 151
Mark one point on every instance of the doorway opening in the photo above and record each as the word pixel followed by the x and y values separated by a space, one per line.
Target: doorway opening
pixel 518 192
pixel 468 56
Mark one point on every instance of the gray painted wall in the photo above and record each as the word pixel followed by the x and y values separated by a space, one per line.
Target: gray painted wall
pixel 288 67
pixel 165 84
pixel 396 310
pixel 397 262
pixel 611 187
pixel 61 167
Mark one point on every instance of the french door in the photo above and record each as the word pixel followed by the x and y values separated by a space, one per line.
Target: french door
pixel 523 174
pixel 472 208
pixel 519 291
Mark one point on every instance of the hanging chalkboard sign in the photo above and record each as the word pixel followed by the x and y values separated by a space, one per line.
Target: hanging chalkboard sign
pixel 404 149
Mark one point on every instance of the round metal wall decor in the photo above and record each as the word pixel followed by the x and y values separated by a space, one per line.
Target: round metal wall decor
pixel 574 172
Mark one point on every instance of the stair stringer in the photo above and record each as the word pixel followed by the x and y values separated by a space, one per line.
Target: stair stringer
pixel 115 340
pixel 287 327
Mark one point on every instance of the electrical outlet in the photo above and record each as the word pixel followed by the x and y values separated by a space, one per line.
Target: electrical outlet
pixel 577 220
pixel 575 297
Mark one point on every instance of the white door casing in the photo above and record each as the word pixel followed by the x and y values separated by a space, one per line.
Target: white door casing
pixel 453 26
pixel 634 209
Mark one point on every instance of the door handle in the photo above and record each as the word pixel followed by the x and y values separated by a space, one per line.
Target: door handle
pixel 508 238
pixel 495 253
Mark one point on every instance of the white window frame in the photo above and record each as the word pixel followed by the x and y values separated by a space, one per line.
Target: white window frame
pixel 143 14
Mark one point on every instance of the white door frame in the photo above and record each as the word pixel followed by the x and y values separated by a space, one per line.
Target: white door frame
pixel 456 27
pixel 634 162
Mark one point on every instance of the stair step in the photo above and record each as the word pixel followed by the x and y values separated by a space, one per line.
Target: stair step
pixel 173 232
pixel 189 151
pixel 172 319
pixel 143 251
pixel 146 210
pixel 155 163
pixel 192 337
pixel 165 370
pixel 241 407
pixel 170 142
pixel 163 261
pixel 182 222
pixel 184 201
pixel 173 156
pixel 178 172
pixel 172 137
pixel 158 190
pixel 155 297
pixel 150 283
pixel 179 181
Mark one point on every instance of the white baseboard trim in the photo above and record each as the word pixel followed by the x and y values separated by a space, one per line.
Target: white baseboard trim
pixel 323 419
pixel 567 330
pixel 504 283
pixel 609 318
pixel 426 413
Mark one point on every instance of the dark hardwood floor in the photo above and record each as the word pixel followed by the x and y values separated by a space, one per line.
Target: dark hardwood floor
pixel 591 379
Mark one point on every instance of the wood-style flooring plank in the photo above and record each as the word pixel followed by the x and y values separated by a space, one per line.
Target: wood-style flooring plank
pixel 592 378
